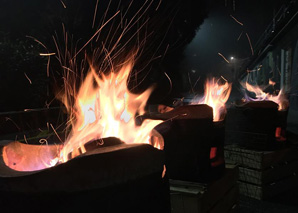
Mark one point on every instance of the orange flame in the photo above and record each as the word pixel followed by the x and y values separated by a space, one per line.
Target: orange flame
pixel 280 98
pixel 104 107
pixel 216 96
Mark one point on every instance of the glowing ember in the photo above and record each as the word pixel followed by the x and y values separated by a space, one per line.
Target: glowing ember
pixel 26 157
pixel 104 107
pixel 260 95
pixel 216 96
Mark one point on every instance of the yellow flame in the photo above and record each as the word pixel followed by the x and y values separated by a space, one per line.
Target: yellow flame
pixel 216 96
pixel 280 98
pixel 104 107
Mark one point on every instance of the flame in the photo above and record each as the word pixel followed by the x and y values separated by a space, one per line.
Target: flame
pixel 216 96
pixel 280 98
pixel 104 107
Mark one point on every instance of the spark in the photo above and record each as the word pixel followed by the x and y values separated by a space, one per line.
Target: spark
pixel 28 78
pixel 95 11
pixel 95 34
pixel 190 83
pixel 224 78
pixel 196 82
pixel 252 51
pixel 166 50
pixel 169 80
pixel 36 40
pixel 240 36
pixel 44 46
pixel 25 139
pixel 236 20
pixel 43 140
pixel 158 5
pixel 224 57
pixel 47 54
pixel 56 133
pixel 9 119
pixel 63 4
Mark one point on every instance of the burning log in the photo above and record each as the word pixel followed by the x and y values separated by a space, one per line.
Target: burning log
pixel 114 177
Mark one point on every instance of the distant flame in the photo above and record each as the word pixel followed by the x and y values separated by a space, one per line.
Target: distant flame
pixel 216 96
pixel 280 98
pixel 104 107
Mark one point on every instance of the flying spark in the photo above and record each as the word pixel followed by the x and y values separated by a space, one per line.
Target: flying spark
pixel 236 20
pixel 224 57
pixel 47 54
pixel 252 51
pixel 28 78
pixel 158 5
pixel 224 78
pixel 240 36
pixel 63 4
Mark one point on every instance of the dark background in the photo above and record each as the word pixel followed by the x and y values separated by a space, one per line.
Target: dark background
pixel 179 38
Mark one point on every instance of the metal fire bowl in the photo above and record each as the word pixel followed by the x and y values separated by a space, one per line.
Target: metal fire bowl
pixel 188 135
pixel 95 169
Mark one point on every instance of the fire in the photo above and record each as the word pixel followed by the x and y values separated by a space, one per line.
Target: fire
pixel 280 98
pixel 216 96
pixel 104 107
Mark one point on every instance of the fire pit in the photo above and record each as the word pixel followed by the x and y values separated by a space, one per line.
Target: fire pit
pixel 193 143
pixel 252 124
pixel 262 99
pixel 110 177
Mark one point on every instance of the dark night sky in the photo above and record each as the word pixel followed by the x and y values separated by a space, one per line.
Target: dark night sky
pixel 42 19
pixel 220 32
